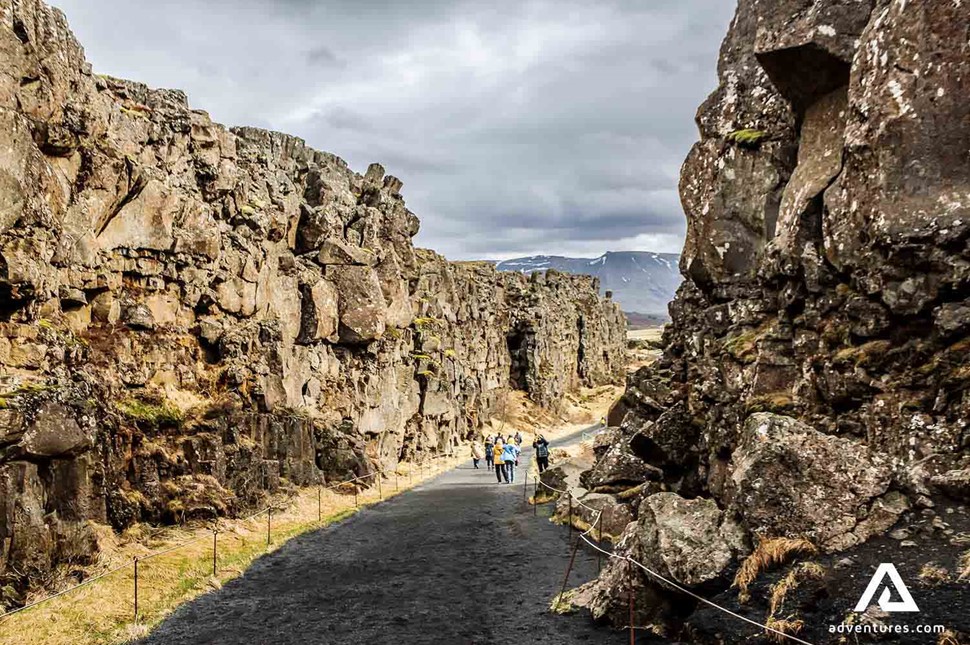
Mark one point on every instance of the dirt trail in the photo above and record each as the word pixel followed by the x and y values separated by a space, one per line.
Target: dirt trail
pixel 459 560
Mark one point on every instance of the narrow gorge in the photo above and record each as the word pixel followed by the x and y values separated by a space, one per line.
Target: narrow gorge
pixel 193 317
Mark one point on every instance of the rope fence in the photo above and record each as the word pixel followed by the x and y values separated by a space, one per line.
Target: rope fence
pixel 424 469
pixel 597 523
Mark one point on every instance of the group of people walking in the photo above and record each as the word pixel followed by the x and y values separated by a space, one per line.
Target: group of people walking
pixel 503 454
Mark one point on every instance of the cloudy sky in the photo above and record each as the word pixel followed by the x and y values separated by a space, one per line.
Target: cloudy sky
pixel 518 127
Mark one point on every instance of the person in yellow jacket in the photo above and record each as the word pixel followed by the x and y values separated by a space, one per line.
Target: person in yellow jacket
pixel 497 451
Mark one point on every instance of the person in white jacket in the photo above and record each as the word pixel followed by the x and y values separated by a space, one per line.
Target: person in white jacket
pixel 478 453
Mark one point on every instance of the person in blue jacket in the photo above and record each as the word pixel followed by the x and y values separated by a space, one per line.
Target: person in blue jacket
pixel 510 455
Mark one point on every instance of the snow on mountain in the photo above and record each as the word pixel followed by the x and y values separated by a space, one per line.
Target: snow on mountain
pixel 641 281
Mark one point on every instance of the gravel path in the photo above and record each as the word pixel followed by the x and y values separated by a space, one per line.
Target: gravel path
pixel 458 560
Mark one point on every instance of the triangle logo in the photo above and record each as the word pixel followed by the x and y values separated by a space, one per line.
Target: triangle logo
pixel 906 602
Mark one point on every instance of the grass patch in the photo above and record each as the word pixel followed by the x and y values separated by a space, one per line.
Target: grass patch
pixel 770 553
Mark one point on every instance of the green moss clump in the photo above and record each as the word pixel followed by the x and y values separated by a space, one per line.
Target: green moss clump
pixel 748 137
pixel 427 321
pixel 861 355
pixel 776 402
pixel 742 346
pixel 151 413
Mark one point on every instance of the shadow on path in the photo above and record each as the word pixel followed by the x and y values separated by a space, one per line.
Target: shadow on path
pixel 458 560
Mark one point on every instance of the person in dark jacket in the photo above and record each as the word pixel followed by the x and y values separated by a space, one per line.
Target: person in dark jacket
pixel 541 446
pixel 489 446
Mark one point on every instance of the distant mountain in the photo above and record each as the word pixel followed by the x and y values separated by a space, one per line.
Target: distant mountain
pixel 641 281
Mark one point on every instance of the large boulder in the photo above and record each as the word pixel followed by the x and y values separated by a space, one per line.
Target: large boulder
pixel 619 468
pixel 319 319
pixel 361 303
pixel 690 540
pixel 55 433
pixel 791 480
pixel 607 515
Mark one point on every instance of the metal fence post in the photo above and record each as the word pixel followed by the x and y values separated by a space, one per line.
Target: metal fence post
pixel 269 525
pixel 630 575
pixel 215 551
pixel 535 497
pixel 380 486
pixel 599 538
pixel 355 495
pixel 565 580
pixel 319 503
pixel 569 520
pixel 136 589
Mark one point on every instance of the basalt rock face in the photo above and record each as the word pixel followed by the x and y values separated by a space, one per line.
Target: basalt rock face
pixel 192 316
pixel 814 378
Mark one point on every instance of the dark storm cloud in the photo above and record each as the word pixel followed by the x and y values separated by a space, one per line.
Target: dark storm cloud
pixel 518 127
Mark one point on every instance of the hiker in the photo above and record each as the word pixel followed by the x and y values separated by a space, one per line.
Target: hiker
pixel 541 447
pixel 518 438
pixel 510 455
pixel 497 452
pixel 489 447
pixel 477 453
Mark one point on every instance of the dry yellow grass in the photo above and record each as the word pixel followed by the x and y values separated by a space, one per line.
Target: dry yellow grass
pixel 769 553
pixel 933 574
pixel 103 611
pixel 948 638
pixel 791 581
pixel 789 626
pixel 964 566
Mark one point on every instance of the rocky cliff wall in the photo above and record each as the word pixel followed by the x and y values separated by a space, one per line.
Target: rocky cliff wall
pixel 193 316
pixel 814 379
